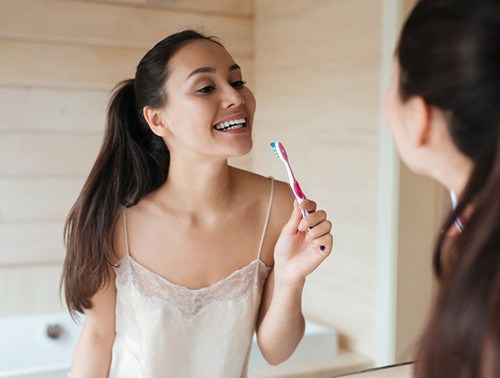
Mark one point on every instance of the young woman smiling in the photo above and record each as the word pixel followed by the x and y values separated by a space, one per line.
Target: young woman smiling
pixel 175 257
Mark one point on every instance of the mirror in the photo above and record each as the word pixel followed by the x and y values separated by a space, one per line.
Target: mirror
pixel 315 68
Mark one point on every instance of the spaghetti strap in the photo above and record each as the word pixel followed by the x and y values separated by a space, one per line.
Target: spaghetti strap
pixel 125 230
pixel 271 196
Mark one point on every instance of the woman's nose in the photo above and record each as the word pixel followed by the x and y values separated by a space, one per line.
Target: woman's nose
pixel 232 97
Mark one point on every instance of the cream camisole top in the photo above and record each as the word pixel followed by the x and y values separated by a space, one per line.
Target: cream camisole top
pixel 167 330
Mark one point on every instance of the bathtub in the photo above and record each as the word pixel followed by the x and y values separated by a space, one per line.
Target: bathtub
pixel 27 350
pixel 41 346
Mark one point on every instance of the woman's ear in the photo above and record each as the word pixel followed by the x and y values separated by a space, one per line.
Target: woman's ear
pixel 154 120
pixel 418 121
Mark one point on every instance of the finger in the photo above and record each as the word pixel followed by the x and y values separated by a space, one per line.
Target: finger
pixel 308 205
pixel 319 230
pixel 292 225
pixel 312 220
pixel 324 244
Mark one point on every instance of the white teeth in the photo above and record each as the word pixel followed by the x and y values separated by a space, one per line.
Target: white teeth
pixel 231 125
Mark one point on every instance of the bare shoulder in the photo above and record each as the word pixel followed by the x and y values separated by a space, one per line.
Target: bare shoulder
pixel 283 198
pixel 254 179
pixel 259 187
pixel 282 207
pixel 248 178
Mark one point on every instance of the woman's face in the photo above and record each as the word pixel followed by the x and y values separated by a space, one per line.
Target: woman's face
pixel 209 109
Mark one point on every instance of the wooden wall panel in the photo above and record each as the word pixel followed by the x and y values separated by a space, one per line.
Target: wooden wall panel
pixel 25 109
pixel 31 243
pixel 70 66
pixel 225 7
pixel 37 199
pixel 65 66
pixel 29 289
pixel 103 24
pixel 47 156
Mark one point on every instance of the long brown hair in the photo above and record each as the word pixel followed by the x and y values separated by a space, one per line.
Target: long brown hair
pixel 449 53
pixel 132 162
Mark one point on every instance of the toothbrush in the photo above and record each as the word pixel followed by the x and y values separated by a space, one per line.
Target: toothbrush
pixel 280 153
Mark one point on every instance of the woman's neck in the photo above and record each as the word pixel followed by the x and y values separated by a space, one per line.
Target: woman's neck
pixel 200 187
pixel 454 173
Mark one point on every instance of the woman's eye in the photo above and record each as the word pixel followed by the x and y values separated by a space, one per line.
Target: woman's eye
pixel 238 84
pixel 206 90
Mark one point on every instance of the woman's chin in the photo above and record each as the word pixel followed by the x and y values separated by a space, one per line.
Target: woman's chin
pixel 243 149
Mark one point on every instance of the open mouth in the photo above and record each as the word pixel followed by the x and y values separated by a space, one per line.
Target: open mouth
pixel 234 124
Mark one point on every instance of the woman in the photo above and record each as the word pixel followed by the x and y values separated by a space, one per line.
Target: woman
pixel 170 249
pixel 443 107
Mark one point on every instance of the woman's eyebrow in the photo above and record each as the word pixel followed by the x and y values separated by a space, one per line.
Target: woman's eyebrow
pixel 211 70
pixel 200 70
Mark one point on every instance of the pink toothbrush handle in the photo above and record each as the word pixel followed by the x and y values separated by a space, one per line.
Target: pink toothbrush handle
pixel 299 195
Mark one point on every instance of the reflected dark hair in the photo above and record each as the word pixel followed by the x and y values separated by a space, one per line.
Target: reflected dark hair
pixel 132 162
pixel 449 54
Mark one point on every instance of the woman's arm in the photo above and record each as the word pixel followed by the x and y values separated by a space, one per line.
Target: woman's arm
pixel 302 246
pixel 92 357
pixel 281 325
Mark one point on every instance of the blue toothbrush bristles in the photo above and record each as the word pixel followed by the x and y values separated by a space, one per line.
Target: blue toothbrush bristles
pixel 275 150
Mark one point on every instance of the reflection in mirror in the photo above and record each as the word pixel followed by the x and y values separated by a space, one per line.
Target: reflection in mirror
pixel 57 74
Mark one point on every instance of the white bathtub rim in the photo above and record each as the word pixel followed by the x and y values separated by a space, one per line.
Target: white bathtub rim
pixel 34 370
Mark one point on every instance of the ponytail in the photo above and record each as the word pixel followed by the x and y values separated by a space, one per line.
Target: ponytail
pixel 132 162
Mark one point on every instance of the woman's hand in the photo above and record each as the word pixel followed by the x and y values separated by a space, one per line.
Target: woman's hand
pixel 304 243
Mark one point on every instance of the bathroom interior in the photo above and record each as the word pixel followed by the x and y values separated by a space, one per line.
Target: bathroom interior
pixel 318 69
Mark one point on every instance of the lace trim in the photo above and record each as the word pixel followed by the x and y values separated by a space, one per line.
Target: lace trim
pixel 191 301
